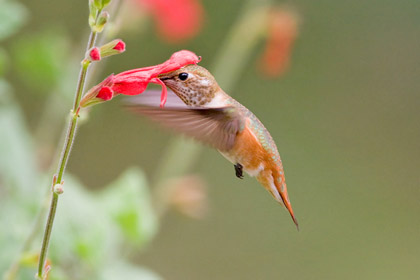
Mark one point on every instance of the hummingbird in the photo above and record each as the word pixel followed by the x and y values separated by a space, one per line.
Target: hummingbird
pixel 211 116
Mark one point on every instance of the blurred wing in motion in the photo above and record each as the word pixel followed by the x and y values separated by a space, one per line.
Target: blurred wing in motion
pixel 152 98
pixel 216 127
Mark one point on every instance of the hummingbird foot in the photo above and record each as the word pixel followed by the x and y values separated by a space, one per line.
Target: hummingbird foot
pixel 238 171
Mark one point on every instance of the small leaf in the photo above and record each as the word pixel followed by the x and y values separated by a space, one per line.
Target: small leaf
pixel 12 233
pixel 128 201
pixel 3 62
pixel 106 2
pixel 17 162
pixel 41 59
pixel 12 16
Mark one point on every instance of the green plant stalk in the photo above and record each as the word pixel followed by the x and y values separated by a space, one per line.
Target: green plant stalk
pixel 64 158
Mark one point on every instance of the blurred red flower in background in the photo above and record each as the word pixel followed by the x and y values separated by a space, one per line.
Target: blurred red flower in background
pixel 135 81
pixel 282 32
pixel 187 194
pixel 177 20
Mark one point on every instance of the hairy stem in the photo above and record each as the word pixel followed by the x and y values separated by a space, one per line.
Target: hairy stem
pixel 64 157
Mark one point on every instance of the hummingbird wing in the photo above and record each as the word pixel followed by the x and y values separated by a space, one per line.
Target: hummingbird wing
pixel 216 127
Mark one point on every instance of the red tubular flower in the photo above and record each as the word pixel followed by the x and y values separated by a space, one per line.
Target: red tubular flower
pixel 176 20
pixel 282 32
pixel 135 81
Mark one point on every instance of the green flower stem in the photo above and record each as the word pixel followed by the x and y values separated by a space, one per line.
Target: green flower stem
pixel 64 158
pixel 227 69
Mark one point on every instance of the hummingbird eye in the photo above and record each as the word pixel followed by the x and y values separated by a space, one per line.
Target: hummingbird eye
pixel 183 76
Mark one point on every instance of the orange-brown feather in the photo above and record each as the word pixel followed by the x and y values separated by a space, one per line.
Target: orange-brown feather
pixel 247 150
pixel 250 153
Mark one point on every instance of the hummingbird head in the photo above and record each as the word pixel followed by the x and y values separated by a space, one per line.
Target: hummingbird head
pixel 192 83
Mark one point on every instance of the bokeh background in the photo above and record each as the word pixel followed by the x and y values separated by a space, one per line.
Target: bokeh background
pixel 343 108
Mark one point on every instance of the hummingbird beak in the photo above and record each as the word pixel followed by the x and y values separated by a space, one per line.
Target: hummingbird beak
pixel 165 76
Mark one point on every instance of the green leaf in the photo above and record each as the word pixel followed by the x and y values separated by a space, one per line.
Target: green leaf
pixel 3 61
pixel 12 233
pixel 41 59
pixel 91 226
pixel 12 16
pixel 17 162
pixel 100 4
pixel 93 10
pixel 128 201
pixel 105 3
pixel 126 271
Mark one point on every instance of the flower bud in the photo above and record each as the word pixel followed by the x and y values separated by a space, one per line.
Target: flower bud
pixel 112 48
pixel 120 46
pixel 102 19
pixel 58 189
pixel 95 21
pixel 99 93
pixel 94 54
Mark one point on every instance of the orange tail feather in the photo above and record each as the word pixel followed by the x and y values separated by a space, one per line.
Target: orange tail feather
pixel 277 188
pixel 282 189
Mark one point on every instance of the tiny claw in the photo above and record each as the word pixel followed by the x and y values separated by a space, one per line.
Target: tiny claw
pixel 239 171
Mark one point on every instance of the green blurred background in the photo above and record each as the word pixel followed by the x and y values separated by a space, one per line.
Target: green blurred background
pixel 345 117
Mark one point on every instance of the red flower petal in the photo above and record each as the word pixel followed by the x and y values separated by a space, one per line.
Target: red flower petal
pixel 164 94
pixel 105 93
pixel 177 60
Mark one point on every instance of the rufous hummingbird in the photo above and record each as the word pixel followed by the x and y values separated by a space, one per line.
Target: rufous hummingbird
pixel 213 117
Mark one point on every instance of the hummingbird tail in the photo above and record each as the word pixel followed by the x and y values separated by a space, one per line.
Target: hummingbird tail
pixel 282 190
pixel 278 190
